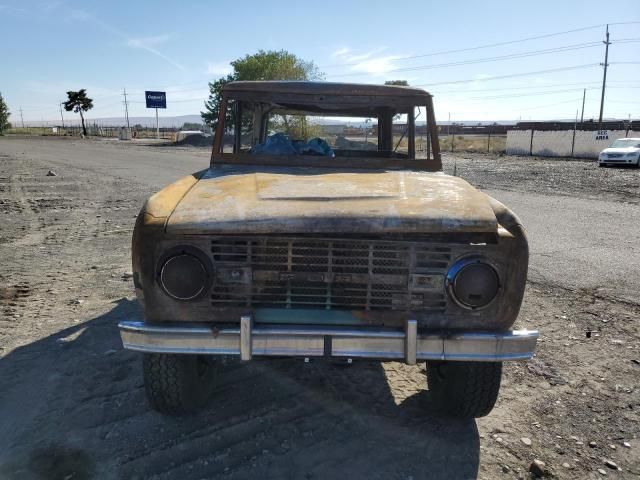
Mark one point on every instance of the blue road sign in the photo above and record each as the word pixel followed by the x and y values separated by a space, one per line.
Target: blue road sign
pixel 156 99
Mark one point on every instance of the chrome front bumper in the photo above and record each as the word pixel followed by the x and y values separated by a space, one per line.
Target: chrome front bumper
pixel 248 340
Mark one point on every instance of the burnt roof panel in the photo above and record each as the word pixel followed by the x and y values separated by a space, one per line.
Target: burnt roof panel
pixel 276 89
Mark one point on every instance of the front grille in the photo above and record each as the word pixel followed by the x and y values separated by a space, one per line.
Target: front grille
pixel 614 155
pixel 347 274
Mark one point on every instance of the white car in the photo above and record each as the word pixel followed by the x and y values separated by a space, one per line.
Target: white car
pixel 623 151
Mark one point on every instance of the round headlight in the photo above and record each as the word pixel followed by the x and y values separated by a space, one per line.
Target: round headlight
pixel 473 283
pixel 183 276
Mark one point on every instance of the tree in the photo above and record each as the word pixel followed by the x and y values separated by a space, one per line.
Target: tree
pixel 264 65
pixel 78 102
pixel 4 115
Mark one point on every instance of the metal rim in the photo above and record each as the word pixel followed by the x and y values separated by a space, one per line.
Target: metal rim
pixel 190 251
pixel 460 265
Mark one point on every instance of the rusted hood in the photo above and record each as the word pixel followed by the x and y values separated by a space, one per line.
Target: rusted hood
pixel 241 199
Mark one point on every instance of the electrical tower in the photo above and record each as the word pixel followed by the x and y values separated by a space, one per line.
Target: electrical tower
pixel 126 106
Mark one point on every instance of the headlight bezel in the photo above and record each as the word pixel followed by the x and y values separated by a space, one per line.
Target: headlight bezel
pixel 458 267
pixel 191 251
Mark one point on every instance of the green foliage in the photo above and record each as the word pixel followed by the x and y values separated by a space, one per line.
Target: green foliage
pixel 264 65
pixel 78 102
pixel 274 65
pixel 4 116
pixel 401 83
pixel 298 127
pixel 212 106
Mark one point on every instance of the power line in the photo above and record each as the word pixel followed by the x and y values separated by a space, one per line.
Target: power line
pixel 530 53
pixel 548 105
pixel 511 75
pixel 631 22
pixel 533 94
pixel 479 47
pixel 528 87
pixel 490 45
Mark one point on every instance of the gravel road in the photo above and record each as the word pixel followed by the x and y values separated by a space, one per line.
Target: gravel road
pixel 72 404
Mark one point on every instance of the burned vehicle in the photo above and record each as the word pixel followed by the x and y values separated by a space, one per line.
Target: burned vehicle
pixel 310 239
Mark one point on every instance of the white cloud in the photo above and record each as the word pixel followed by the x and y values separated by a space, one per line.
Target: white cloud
pixel 376 65
pixel 341 52
pixel 50 5
pixel 218 68
pixel 9 8
pixel 80 15
pixel 368 62
pixel 147 42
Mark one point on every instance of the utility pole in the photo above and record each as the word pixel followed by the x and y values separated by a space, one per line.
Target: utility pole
pixel 584 94
pixel 21 119
pixel 61 116
pixel 126 106
pixel 573 140
pixel 449 131
pixel 604 77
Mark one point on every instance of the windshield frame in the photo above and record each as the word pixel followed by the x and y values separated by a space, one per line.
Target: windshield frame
pixel 382 108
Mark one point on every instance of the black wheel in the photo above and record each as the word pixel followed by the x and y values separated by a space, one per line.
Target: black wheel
pixel 603 165
pixel 178 384
pixel 464 389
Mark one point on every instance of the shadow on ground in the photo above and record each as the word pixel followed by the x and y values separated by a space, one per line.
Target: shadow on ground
pixel 73 407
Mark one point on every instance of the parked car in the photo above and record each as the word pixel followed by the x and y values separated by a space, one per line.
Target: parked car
pixel 623 151
pixel 298 247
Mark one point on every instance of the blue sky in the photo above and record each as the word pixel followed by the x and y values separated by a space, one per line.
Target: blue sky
pixel 52 46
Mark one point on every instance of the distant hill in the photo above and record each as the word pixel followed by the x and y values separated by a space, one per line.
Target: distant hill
pixel 150 122
pixel 177 121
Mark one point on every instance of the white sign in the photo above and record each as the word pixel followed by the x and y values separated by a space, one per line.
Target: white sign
pixel 602 135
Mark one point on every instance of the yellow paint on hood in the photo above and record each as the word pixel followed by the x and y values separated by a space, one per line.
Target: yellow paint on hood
pixel 305 200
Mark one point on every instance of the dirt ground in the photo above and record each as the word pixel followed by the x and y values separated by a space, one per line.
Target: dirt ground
pixel 552 176
pixel 72 401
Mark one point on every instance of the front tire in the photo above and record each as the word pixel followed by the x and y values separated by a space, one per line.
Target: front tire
pixel 464 389
pixel 177 384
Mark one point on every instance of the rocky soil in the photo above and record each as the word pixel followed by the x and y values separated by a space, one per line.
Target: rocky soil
pixel 72 401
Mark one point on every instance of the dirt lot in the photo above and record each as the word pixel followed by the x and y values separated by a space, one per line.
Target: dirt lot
pixel 72 402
